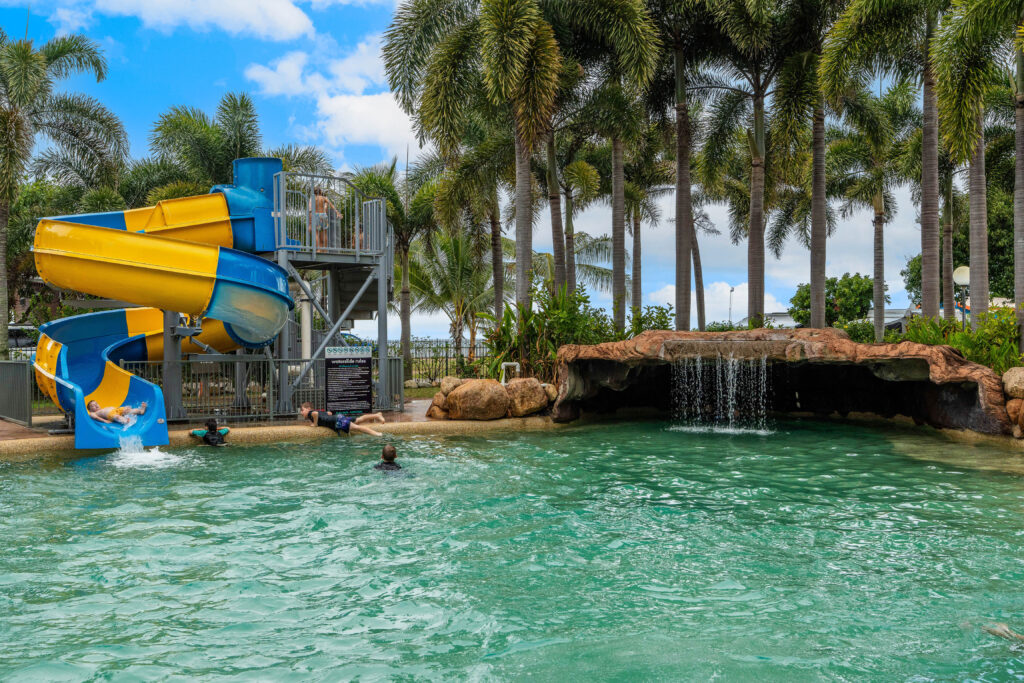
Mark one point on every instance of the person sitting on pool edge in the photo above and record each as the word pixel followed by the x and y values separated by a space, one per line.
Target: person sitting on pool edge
pixel 211 436
pixel 113 414
pixel 387 459
pixel 340 423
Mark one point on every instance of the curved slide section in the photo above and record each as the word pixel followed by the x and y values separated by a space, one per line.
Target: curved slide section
pixel 175 256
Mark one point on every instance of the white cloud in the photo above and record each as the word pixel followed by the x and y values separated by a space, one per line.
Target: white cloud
pixel 266 19
pixel 351 103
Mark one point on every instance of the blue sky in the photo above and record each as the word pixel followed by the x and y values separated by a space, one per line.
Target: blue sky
pixel 314 70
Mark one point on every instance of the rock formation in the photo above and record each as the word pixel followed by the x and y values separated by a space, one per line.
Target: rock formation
pixel 478 399
pixel 819 371
pixel 526 396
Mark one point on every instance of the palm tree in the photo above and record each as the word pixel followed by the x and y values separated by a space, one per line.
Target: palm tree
pixel 443 57
pixel 307 159
pixel 76 125
pixel 592 253
pixel 448 274
pixel 894 38
pixel 581 185
pixel 967 46
pixel 868 166
pixel 761 38
pixel 691 40
pixel 648 176
pixel 407 223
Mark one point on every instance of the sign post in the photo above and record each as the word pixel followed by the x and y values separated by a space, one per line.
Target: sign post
pixel 348 379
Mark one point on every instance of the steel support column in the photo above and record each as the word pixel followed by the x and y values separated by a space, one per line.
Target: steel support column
pixel 172 368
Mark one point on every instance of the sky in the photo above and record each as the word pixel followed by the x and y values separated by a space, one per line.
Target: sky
pixel 314 70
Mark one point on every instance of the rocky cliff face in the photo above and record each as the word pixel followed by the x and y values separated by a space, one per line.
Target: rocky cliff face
pixel 819 371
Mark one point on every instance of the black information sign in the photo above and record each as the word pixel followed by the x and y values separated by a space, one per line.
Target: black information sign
pixel 348 380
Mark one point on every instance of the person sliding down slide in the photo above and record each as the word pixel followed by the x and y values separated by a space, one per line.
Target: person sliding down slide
pixel 341 423
pixel 111 415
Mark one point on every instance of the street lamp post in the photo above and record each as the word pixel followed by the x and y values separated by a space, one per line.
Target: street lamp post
pixel 731 290
pixel 962 279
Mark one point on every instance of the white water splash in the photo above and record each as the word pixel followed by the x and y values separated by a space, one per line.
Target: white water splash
pixel 131 454
pixel 724 395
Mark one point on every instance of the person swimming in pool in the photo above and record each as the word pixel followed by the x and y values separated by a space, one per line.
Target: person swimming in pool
pixel 341 423
pixel 113 414
pixel 387 459
pixel 1003 631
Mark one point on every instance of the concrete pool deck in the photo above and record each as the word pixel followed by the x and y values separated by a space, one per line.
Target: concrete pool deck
pixel 19 443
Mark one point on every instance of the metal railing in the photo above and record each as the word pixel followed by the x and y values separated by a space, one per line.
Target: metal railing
pixel 248 387
pixel 17 380
pixel 433 359
pixel 325 214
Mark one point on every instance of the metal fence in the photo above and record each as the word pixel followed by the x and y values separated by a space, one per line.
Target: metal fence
pixel 433 359
pixel 327 214
pixel 17 380
pixel 248 387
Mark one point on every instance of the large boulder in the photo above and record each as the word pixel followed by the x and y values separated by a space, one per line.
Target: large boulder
pixel 1013 407
pixel 1013 382
pixel 448 384
pixel 552 391
pixel 526 396
pixel 438 409
pixel 478 399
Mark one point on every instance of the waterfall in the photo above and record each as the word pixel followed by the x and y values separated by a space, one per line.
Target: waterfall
pixel 724 394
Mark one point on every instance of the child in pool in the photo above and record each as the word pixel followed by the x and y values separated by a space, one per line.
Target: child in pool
pixel 341 423
pixel 211 436
pixel 113 414
pixel 387 459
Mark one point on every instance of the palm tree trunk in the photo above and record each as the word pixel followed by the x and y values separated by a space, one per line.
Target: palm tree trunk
pixel 555 204
pixel 819 229
pixel 930 188
pixel 979 228
pixel 698 280
pixel 879 276
pixel 618 238
pixel 637 298
pixel 497 262
pixel 524 224
pixel 404 309
pixel 948 304
pixel 755 238
pixel 570 246
pixel 5 214
pixel 684 200
pixel 1018 198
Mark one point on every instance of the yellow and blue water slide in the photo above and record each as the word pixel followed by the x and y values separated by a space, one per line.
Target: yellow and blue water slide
pixel 194 255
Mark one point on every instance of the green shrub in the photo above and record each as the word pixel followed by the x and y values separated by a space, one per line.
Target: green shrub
pixel 859 331
pixel 651 318
pixel 532 337
pixel 994 343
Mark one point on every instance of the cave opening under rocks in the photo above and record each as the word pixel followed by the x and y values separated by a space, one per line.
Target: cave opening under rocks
pixel 886 390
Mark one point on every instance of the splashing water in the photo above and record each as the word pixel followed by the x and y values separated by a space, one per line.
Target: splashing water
pixel 726 395
pixel 132 454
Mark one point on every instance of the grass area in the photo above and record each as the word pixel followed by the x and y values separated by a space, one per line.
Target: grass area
pixel 421 392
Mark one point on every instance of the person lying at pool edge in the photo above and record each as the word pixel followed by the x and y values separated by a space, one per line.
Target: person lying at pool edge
pixel 113 414
pixel 340 423
pixel 387 459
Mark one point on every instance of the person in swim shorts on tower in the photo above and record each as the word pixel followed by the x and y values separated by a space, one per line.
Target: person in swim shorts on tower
pixel 341 423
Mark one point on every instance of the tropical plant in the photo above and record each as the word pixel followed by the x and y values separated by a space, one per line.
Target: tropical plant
pixel 761 39
pixel 993 341
pixel 591 252
pixel 407 223
pixel 867 158
pixel 974 37
pixel 648 176
pixel 894 38
pixel 75 125
pixel 532 337
pixel 581 185
pixel 447 274
pixel 445 57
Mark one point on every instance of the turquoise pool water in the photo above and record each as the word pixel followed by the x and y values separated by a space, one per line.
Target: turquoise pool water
pixel 627 552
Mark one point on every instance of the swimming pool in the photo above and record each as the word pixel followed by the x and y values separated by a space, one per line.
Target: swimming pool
pixel 618 552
